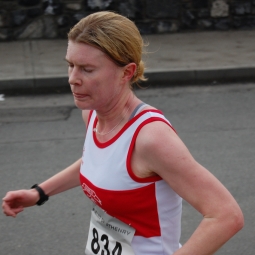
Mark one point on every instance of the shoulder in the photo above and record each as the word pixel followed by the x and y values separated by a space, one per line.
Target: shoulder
pixel 155 133
pixel 160 147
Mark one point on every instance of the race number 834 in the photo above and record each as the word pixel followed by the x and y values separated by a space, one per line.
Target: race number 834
pixel 95 245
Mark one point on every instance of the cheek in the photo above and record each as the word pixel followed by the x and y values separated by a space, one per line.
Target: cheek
pixel 113 77
pixel 104 82
pixel 107 80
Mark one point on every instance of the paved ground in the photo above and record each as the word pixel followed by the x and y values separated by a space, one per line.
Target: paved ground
pixel 42 134
pixel 172 59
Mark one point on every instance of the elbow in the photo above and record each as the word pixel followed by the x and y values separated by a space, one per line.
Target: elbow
pixel 239 222
pixel 235 221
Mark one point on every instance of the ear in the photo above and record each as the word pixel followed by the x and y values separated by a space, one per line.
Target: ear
pixel 128 72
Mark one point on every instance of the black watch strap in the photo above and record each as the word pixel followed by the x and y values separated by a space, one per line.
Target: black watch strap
pixel 42 195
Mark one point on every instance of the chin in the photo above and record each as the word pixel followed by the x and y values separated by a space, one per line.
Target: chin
pixel 82 105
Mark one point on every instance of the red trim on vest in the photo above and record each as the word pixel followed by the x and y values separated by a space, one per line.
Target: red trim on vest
pixel 129 206
pixel 90 114
pixel 125 127
pixel 131 147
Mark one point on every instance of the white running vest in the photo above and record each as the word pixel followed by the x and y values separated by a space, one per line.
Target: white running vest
pixel 147 204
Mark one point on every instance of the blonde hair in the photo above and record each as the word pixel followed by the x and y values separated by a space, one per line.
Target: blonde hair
pixel 115 35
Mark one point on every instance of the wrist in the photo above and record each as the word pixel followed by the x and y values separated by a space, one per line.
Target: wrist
pixel 35 195
pixel 42 197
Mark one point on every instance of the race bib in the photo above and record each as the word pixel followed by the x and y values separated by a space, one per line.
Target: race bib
pixel 108 235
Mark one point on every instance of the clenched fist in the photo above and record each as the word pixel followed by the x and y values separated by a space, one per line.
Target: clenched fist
pixel 15 201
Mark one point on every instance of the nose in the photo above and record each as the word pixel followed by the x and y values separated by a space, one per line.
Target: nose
pixel 74 76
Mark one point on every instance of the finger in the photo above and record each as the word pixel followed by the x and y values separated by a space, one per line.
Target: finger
pixel 7 210
pixel 17 210
pixel 11 195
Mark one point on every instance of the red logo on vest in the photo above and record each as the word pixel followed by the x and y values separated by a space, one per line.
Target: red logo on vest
pixel 91 194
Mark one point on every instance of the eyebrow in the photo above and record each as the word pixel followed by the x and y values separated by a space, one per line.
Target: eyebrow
pixel 82 65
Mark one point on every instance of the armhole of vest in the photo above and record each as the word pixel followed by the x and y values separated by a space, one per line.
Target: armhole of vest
pixel 131 147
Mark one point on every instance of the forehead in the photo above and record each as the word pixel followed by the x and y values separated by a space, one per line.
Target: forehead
pixel 81 52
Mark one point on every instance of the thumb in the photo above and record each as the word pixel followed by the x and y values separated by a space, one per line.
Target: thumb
pixel 11 195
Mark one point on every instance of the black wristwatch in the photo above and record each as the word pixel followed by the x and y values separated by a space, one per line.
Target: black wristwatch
pixel 43 196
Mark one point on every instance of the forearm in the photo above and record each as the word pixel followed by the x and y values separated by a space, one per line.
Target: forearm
pixel 64 180
pixel 210 235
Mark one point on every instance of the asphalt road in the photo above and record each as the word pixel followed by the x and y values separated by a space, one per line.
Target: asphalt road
pixel 40 135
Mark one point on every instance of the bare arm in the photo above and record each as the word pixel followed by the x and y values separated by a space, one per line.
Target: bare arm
pixel 66 179
pixel 14 202
pixel 62 181
pixel 163 153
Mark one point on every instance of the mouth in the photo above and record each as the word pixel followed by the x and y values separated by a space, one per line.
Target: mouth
pixel 79 96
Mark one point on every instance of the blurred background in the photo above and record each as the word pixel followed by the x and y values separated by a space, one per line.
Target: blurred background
pixel 29 19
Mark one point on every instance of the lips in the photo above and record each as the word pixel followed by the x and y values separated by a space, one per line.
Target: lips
pixel 79 96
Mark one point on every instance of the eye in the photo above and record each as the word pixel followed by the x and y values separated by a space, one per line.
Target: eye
pixel 88 70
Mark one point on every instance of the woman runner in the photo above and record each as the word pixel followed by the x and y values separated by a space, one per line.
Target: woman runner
pixel 134 167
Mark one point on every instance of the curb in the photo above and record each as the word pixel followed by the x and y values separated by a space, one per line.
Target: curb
pixel 155 78
pixel 188 77
pixel 34 84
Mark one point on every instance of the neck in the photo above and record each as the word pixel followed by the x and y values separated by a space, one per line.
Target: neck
pixel 113 118
pixel 115 107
